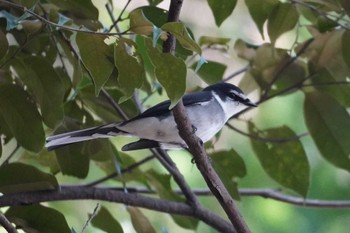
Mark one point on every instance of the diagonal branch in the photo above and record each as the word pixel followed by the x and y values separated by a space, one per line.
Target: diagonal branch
pixel 6 224
pixel 195 145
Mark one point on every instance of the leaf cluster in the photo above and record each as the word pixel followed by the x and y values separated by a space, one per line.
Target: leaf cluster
pixel 62 70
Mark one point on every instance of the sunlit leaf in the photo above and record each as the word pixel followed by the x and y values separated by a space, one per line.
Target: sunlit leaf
pixel 260 10
pixel 139 23
pixel 329 124
pixel 37 218
pixel 221 9
pixel 244 51
pixel 106 222
pixel 170 72
pixel 19 177
pixel 179 30
pixel 284 162
pixel 209 41
pixel 131 73
pixel 229 165
pixel 140 221
pixel 97 57
pixel 21 117
pixel 283 18
pixel 327 51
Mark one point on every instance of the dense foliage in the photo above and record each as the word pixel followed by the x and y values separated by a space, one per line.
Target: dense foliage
pixel 62 69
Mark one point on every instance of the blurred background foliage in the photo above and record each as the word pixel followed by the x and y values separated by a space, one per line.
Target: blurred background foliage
pixel 291 57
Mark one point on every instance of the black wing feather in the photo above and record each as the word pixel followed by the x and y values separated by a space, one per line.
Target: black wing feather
pixel 162 109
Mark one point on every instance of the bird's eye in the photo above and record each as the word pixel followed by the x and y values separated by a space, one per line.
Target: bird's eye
pixel 237 103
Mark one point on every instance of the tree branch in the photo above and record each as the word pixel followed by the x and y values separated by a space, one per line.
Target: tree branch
pixel 7 224
pixel 273 194
pixel 195 145
pixel 46 21
pixel 115 196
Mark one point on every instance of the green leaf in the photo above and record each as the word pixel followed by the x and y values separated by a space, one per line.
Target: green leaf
pixel 229 165
pixel 211 72
pixel 170 72
pixel 108 166
pixel 329 124
pixel 21 117
pixel 284 162
pixel 210 41
pixel 4 45
pixel 154 2
pixel 38 218
pixel 260 10
pixel 19 177
pixel 102 107
pixel 161 183
pixel 283 18
pixel 179 30
pixel 131 73
pixel 73 161
pixel 345 41
pixel 105 221
pixel 221 9
pixel 81 9
pixel 340 93
pixel 47 87
pixel 44 158
pixel 139 24
pixel 140 221
pixel 97 56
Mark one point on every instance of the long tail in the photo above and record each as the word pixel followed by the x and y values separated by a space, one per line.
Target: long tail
pixel 104 131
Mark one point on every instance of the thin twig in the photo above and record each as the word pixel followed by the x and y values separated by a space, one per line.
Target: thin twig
pixel 6 224
pixel 273 194
pixel 124 170
pixel 234 74
pixel 120 16
pixel 313 8
pixel 42 19
pixel 114 22
pixel 94 213
pixel 285 65
pixel 274 140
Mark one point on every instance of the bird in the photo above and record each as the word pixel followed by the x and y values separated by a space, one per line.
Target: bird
pixel 208 111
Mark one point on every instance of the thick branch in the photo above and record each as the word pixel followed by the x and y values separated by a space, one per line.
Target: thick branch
pixel 103 194
pixel 195 145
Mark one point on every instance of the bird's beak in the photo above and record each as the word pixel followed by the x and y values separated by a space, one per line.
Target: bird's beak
pixel 250 103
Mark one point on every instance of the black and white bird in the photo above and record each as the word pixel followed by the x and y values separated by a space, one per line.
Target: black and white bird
pixel 208 111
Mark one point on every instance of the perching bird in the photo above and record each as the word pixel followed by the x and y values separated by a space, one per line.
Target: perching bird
pixel 208 111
